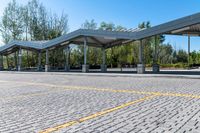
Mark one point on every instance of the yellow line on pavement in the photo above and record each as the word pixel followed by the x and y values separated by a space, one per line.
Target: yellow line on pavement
pixel 98 114
pixel 30 94
pixel 109 90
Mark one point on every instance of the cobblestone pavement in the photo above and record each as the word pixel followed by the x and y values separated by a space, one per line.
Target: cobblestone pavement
pixel 46 102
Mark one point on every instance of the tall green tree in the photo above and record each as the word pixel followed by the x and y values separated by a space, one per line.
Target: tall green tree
pixel 6 36
pixel 12 22
pixel 165 54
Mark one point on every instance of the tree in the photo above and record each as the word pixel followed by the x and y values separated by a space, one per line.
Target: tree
pixel 26 18
pixel 57 26
pixel 89 25
pixel 5 27
pixel 11 25
pixel 107 26
pixel 165 54
pixel 182 56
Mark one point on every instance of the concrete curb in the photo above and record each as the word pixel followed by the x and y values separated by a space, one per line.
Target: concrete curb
pixel 132 75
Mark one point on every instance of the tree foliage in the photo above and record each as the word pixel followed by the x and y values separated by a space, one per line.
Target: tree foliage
pixel 31 22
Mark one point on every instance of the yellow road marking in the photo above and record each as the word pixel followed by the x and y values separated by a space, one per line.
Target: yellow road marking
pixel 109 90
pixel 27 95
pixel 98 114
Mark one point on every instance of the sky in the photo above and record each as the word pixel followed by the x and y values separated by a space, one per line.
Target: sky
pixel 128 13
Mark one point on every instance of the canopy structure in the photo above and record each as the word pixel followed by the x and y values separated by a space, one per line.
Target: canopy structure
pixel 96 38
pixel 104 39
pixel 182 26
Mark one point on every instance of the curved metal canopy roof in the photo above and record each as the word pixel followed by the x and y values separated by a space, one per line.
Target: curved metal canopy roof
pixel 96 38
pixel 102 38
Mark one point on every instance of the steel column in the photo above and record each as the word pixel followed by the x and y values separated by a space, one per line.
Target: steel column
pixel 85 51
pixel 39 61
pixel 85 67
pixel 47 61
pixel 103 65
pixel 141 66
pixel 16 59
pixel 156 67
pixel 1 62
pixel 19 59
pixel 156 51
pixel 67 52
pixel 141 52
pixel 188 51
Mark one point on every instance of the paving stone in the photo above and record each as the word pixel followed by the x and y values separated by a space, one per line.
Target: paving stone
pixel 26 108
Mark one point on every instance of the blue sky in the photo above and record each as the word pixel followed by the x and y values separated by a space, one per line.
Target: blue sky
pixel 128 13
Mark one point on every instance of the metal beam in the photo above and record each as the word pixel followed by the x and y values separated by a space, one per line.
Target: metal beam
pixel 88 44
pixel 114 43
pixel 96 41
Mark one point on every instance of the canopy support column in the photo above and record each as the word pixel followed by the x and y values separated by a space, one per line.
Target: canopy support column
pixel 85 67
pixel 103 65
pixel 16 59
pixel 67 52
pixel 141 66
pixel 1 62
pixel 156 67
pixel 19 59
pixel 189 51
pixel 39 61
pixel 47 61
